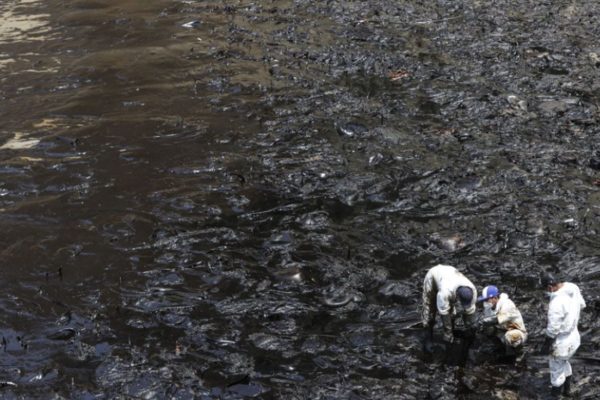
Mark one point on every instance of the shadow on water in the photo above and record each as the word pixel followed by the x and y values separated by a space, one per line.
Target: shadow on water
pixel 227 200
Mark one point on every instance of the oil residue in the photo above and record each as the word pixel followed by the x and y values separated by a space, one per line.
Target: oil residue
pixel 240 199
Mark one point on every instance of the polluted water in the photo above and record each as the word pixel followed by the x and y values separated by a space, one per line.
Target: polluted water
pixel 240 199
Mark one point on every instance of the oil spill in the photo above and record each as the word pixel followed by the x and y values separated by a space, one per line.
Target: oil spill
pixel 227 200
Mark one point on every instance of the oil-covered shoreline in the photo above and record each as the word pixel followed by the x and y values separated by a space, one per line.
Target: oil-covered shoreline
pixel 226 200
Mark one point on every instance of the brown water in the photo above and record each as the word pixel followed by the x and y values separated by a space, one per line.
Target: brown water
pixel 222 200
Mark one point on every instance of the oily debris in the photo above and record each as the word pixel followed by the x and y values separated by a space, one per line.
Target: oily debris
pixel 204 200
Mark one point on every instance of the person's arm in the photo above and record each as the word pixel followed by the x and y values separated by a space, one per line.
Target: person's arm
pixel 507 313
pixel 443 302
pixel 488 320
pixel 581 300
pixel 444 307
pixel 556 316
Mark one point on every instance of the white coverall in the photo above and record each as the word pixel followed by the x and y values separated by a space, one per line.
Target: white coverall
pixel 563 316
pixel 439 292
pixel 510 322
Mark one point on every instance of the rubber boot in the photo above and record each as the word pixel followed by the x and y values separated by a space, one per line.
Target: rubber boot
pixel 428 337
pixel 567 387
pixel 519 354
pixel 508 355
pixel 556 391
pixel 430 330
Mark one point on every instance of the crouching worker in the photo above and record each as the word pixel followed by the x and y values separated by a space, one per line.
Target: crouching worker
pixel 447 292
pixel 502 319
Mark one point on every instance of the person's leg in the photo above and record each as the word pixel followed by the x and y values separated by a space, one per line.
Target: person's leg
pixel 448 322
pixel 428 303
pixel 512 342
pixel 497 339
pixel 558 373
pixel 566 348
pixel 428 311
pixel 567 384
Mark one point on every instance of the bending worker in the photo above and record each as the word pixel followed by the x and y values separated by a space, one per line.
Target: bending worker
pixel 502 319
pixel 448 292
pixel 562 336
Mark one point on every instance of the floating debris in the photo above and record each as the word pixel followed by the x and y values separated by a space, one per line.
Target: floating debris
pixel 191 24
pixel 20 142
pixel 352 129
pixel 398 74
pixel 63 334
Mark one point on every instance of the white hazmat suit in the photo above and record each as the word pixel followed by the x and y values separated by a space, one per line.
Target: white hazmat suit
pixel 510 322
pixel 563 316
pixel 439 295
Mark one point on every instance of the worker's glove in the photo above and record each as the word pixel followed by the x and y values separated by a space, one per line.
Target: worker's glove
pixel 546 348
pixel 448 336
pixel 486 322
pixel 470 320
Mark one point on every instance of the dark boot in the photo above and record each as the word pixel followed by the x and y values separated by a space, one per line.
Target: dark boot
pixel 514 355
pixel 428 338
pixel 567 387
pixel 519 354
pixel 430 330
pixel 508 355
pixel 556 391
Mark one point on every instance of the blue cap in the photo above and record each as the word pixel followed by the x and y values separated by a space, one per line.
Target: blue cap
pixel 488 292
pixel 465 295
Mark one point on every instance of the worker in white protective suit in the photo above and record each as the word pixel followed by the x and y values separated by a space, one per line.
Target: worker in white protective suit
pixel 501 318
pixel 447 292
pixel 562 335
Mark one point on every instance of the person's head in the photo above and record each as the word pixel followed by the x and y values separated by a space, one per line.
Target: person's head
pixel 490 294
pixel 464 295
pixel 550 282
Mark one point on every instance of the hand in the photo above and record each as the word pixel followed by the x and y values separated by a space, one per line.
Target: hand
pixel 480 324
pixel 470 320
pixel 487 321
pixel 546 348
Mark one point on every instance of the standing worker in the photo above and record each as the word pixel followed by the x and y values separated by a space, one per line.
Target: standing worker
pixel 503 319
pixel 562 336
pixel 448 292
